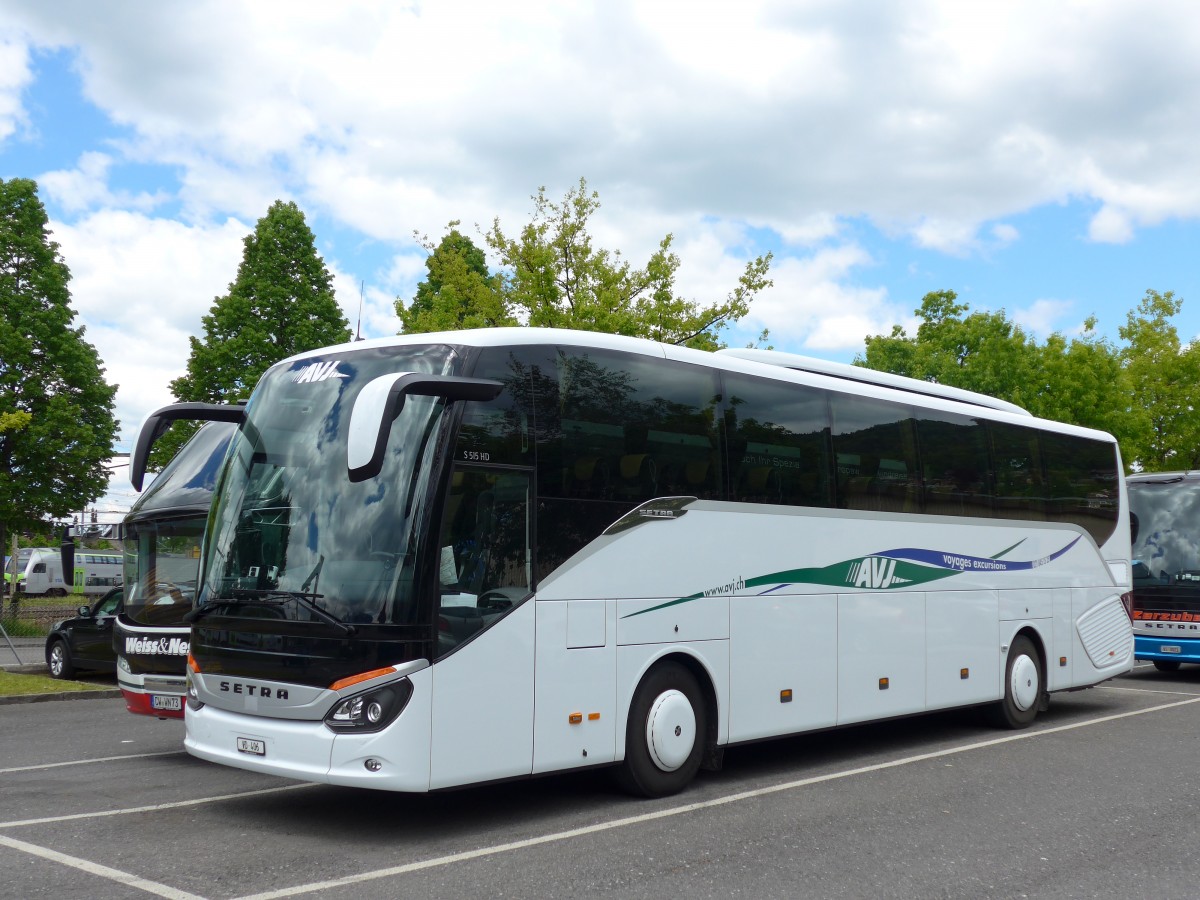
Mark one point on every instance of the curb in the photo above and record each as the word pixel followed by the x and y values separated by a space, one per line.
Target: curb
pixel 27 669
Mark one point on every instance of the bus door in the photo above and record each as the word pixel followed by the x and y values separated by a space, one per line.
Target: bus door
pixel 483 679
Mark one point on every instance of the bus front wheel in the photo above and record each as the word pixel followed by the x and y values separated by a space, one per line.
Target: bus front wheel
pixel 1022 687
pixel 1166 665
pixel 664 741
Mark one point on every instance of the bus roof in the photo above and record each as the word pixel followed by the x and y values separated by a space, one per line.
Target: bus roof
pixel 871 376
pixel 819 372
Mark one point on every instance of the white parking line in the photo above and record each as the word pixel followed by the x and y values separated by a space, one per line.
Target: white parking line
pixel 157 807
pixel 690 807
pixel 1109 687
pixel 152 887
pixel 85 762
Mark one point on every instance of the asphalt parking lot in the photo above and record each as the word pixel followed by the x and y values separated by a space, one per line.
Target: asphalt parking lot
pixel 1095 800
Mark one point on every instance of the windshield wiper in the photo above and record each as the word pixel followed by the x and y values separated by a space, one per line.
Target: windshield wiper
pixel 271 597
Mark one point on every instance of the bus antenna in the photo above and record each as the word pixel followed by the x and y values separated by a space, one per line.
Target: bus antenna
pixel 358 330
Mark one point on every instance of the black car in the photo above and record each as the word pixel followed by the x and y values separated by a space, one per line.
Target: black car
pixel 85 642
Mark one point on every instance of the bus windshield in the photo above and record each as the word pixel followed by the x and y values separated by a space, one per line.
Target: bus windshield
pixel 161 558
pixel 291 537
pixel 1167 548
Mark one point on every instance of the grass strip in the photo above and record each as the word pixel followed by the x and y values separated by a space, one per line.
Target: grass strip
pixel 13 684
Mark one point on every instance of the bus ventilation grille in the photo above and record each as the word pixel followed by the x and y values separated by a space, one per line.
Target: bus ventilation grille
pixel 1106 634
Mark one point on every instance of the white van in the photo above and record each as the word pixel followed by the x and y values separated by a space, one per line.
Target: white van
pixel 43 573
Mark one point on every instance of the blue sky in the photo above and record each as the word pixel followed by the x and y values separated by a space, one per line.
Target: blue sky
pixel 1039 158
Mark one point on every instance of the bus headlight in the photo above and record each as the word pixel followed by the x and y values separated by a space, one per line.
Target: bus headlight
pixel 123 665
pixel 371 710
pixel 193 696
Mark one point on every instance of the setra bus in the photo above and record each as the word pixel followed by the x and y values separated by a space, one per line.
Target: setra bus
pixel 1164 511
pixel 446 559
pixel 161 535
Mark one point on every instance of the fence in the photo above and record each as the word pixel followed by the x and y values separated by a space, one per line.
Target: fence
pixel 33 616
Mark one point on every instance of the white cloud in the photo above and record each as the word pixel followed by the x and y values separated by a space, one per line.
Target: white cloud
pixel 1110 226
pixel 815 305
pixel 140 286
pixel 14 77
pixel 1043 316
pixel 933 118
pixel 1004 234
pixel 86 187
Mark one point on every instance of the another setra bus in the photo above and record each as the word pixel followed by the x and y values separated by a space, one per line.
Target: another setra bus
pixel 1164 511
pixel 445 559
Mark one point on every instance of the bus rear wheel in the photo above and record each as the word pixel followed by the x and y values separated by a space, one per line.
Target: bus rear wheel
pixel 664 740
pixel 1166 665
pixel 1022 687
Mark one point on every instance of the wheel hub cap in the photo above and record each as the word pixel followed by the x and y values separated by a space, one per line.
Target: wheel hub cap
pixel 1025 684
pixel 671 730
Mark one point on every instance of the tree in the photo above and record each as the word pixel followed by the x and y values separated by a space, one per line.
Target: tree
pixel 1077 381
pixel 459 292
pixel 56 410
pixel 977 351
pixel 1162 374
pixel 552 275
pixel 1082 382
pixel 281 303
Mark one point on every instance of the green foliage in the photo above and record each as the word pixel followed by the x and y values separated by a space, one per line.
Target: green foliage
pixel 1143 393
pixel 15 420
pixel 280 304
pixel 553 275
pixel 978 351
pixel 459 292
pixel 1163 375
pixel 56 410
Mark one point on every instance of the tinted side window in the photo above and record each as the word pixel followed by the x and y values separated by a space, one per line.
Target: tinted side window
pixel 616 430
pixel 1081 480
pixel 1019 492
pixel 954 465
pixel 778 438
pixel 874 443
pixel 500 431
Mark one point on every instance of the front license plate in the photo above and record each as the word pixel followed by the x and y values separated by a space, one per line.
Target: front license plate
pixel 165 702
pixel 1170 648
pixel 249 745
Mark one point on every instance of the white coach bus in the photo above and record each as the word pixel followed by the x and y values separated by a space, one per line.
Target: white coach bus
pixel 447 559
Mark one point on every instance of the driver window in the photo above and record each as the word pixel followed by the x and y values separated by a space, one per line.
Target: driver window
pixel 485 554
pixel 109 606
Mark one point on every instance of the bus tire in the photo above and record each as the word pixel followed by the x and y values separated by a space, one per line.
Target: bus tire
pixel 1166 665
pixel 664 740
pixel 58 660
pixel 1022 687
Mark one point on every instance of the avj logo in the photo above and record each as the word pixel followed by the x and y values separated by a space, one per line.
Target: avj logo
pixel 874 572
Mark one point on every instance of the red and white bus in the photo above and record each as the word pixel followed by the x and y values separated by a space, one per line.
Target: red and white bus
pixel 162 535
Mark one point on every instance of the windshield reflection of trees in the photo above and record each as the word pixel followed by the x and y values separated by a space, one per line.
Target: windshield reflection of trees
pixel 303 528
pixel 1168 548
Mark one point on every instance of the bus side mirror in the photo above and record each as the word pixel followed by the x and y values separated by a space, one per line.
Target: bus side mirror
pixel 380 401
pixel 158 421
